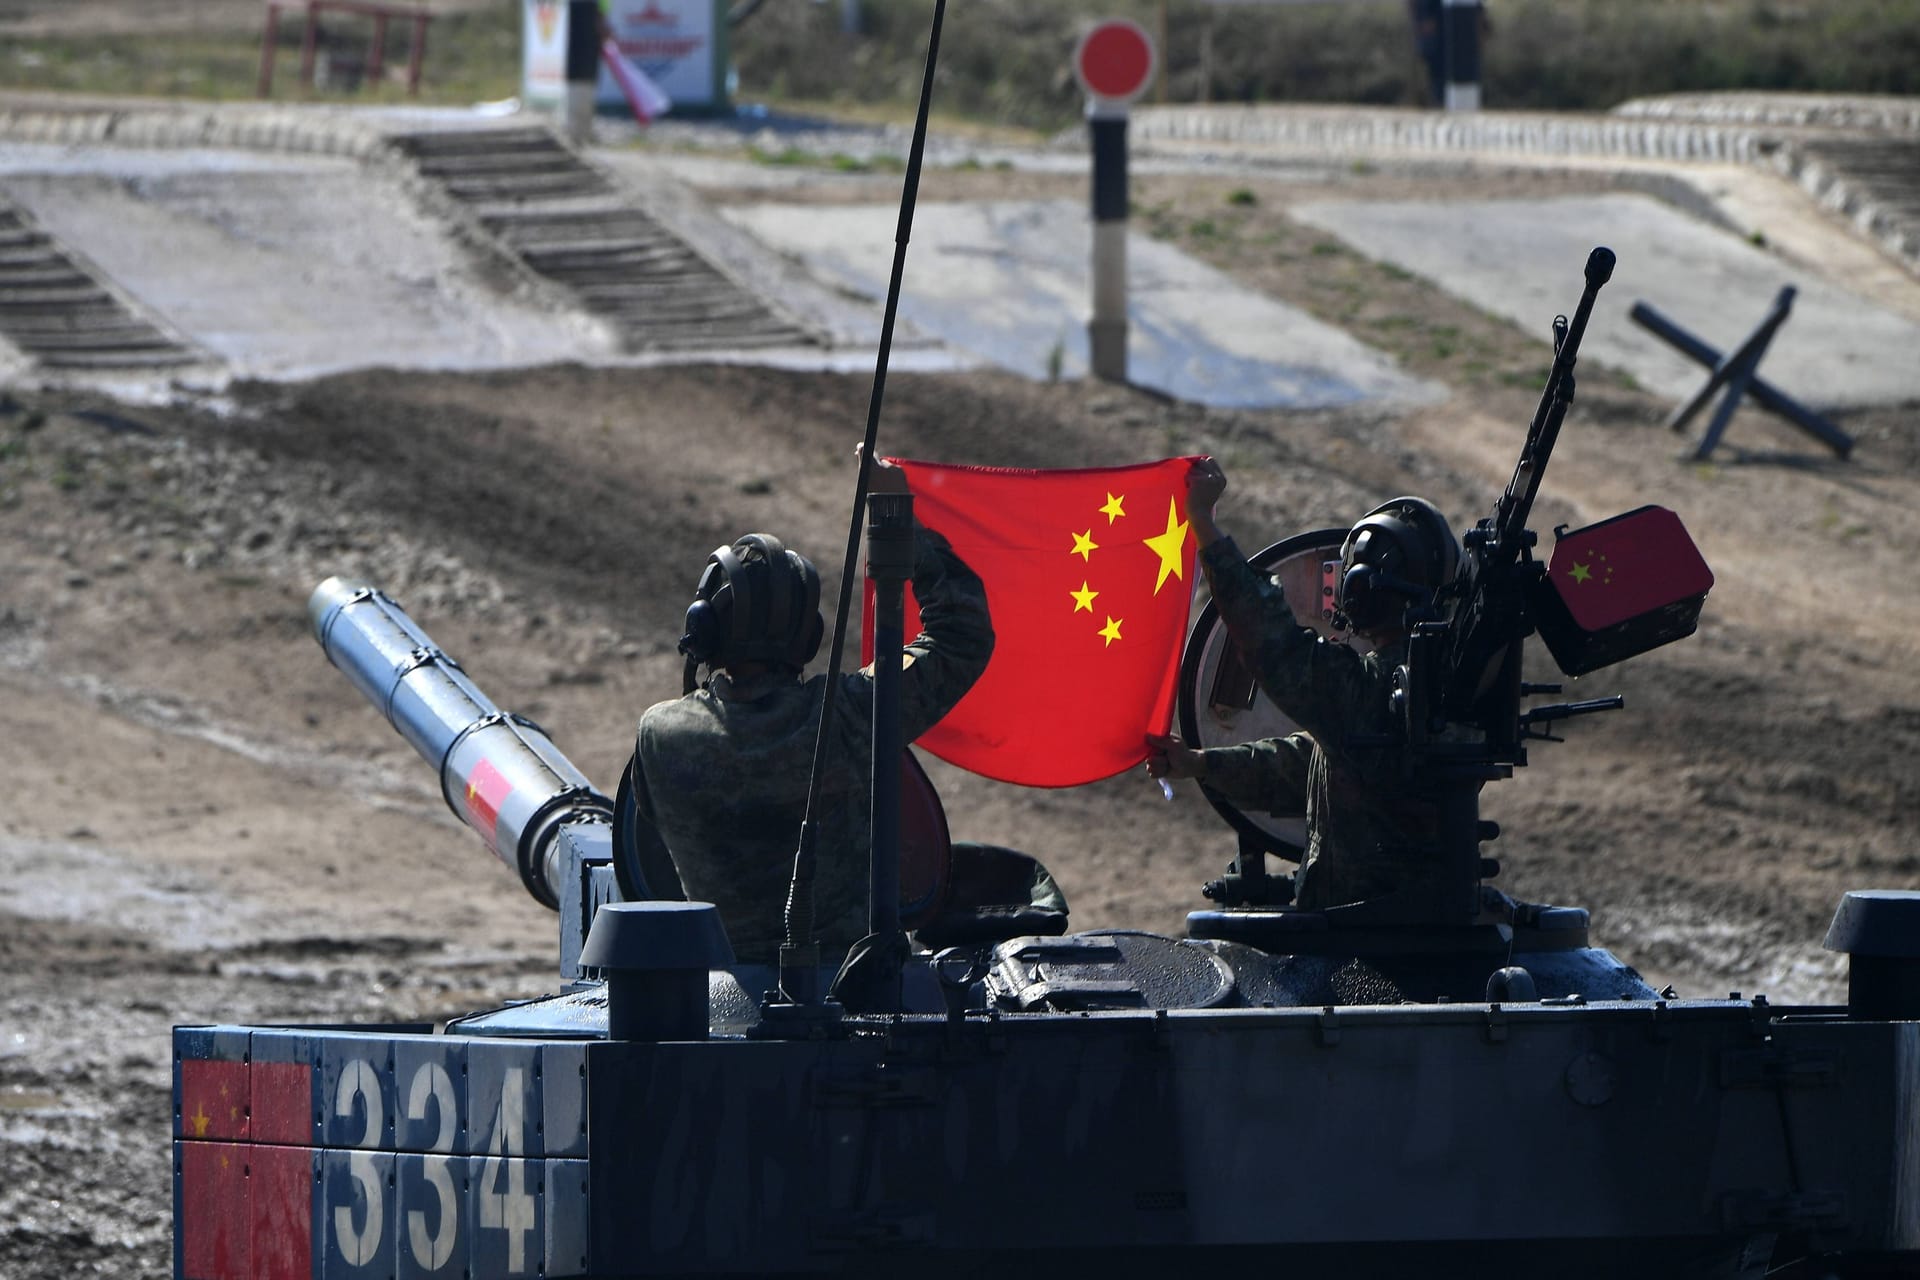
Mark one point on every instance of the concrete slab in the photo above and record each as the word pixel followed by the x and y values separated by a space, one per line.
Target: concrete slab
pixel 1522 259
pixel 286 266
pixel 1010 282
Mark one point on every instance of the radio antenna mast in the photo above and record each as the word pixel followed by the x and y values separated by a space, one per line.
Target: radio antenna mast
pixel 800 953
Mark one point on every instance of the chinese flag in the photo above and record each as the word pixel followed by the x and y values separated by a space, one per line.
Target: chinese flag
pixel 1089 574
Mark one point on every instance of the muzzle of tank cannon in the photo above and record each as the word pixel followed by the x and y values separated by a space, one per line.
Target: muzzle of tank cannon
pixel 500 773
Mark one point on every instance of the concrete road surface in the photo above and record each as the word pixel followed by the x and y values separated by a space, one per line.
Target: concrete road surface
pixel 1522 259
pixel 1009 281
pixel 286 266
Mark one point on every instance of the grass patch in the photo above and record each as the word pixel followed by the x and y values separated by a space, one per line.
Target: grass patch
pixel 1002 62
pixel 471 56
pixel 788 156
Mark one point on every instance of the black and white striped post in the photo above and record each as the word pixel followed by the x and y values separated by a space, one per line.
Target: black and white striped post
pixel 1460 40
pixel 583 68
pixel 1114 64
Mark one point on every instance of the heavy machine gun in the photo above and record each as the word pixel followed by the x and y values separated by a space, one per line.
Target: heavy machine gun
pixel 1461 694
pixel 1459 710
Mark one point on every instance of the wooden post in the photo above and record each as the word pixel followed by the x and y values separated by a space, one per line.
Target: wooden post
pixel 377 52
pixel 1160 42
pixel 418 55
pixel 309 45
pixel 269 46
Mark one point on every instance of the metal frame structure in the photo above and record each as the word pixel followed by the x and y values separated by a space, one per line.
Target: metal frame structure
pixel 381 15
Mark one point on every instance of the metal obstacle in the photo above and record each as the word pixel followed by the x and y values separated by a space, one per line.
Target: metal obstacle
pixel 1738 373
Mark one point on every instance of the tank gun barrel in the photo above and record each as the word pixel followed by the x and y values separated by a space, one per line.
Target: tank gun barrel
pixel 500 773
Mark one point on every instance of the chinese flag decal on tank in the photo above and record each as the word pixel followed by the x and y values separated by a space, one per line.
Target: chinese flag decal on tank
pixel 487 790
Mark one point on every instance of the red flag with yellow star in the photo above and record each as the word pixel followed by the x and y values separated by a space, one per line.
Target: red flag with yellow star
pixel 1089 575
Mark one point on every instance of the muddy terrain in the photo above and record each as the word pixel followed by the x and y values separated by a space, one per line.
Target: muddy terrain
pixel 204 822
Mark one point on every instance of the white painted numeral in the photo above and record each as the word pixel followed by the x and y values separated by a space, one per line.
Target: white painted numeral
pixel 509 1210
pixel 359 1080
pixel 434 1251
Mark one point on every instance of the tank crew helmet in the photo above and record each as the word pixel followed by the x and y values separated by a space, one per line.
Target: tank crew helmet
pixel 1400 554
pixel 756 602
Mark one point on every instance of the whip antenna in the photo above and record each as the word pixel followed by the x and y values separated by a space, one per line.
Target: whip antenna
pixel 800 954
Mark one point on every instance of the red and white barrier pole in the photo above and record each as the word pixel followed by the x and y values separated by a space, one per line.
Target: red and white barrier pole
pixel 1114 64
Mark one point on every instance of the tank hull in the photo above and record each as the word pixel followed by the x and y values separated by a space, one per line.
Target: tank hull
pixel 1672 1138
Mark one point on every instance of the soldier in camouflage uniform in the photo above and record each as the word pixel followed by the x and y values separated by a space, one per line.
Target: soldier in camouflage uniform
pixel 1367 828
pixel 726 767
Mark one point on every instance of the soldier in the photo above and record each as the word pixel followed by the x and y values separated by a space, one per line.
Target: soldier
pixel 1365 824
pixel 726 767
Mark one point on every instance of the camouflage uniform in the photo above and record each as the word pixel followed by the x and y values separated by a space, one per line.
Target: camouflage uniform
pixel 1366 827
pixel 727 767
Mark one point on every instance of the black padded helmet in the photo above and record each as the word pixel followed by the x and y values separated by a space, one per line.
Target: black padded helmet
pixel 1401 553
pixel 756 602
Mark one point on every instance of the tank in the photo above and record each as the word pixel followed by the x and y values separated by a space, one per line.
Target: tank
pixel 1448 1083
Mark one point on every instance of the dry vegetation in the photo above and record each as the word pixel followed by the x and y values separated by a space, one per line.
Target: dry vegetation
pixel 1007 61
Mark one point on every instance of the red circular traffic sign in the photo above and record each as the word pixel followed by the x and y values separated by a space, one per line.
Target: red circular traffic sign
pixel 1114 61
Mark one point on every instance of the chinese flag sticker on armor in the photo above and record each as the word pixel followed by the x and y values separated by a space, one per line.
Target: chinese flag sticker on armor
pixel 487 790
pixel 1621 587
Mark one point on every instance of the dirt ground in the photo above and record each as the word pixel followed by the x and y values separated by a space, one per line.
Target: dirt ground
pixel 204 822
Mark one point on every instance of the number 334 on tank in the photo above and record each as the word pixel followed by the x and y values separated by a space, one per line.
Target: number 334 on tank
pixel 297 1155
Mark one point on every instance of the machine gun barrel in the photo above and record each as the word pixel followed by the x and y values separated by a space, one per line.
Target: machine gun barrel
pixel 500 773
pixel 1481 680
pixel 1516 504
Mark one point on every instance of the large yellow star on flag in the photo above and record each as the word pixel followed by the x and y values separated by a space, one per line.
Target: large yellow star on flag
pixel 1113 511
pixel 1083 598
pixel 1112 630
pixel 200 1119
pixel 1167 546
pixel 1084 546
pixel 1580 573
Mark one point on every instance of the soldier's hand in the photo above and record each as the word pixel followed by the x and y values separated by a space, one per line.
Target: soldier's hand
pixel 884 477
pixel 1205 483
pixel 1168 756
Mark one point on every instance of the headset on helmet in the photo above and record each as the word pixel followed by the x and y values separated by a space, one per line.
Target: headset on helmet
pixel 756 602
pixel 1400 554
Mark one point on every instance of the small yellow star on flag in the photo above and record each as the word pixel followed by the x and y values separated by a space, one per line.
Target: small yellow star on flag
pixel 1084 546
pixel 1113 510
pixel 1112 630
pixel 1167 546
pixel 1083 598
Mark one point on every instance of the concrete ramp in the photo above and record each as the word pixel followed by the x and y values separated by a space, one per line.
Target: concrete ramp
pixel 61 313
pixel 1009 282
pixel 286 266
pixel 569 224
pixel 1522 259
